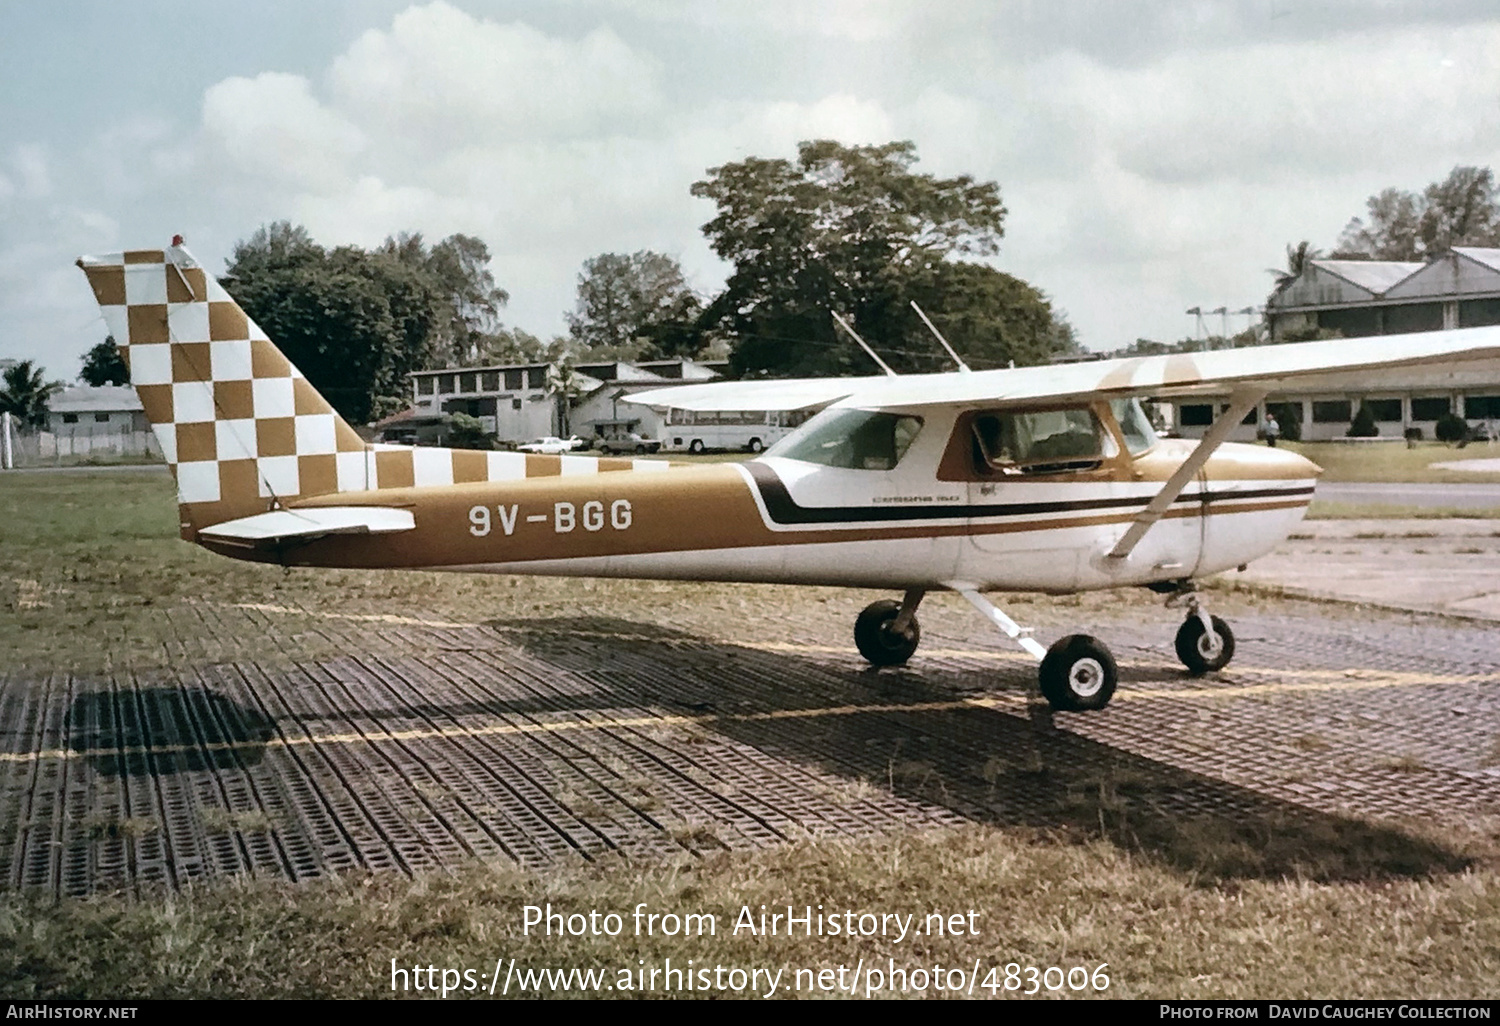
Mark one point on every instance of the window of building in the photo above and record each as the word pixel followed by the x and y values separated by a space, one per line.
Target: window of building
pixel 70 418
pixel 1429 409
pixel 1482 407
pixel 445 383
pixel 427 385
pixel 491 381
pixel 515 404
pixel 1332 411
pixel 513 381
pixel 101 418
pixel 536 377
pixel 1388 410
pixel 468 382
pixel 1195 415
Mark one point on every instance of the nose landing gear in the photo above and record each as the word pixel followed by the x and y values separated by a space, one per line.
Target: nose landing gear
pixel 1204 643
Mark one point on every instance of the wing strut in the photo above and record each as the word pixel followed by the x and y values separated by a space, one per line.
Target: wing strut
pixel 963 367
pixel 863 344
pixel 1241 402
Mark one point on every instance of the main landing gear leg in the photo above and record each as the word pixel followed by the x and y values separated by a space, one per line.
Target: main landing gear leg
pixel 1204 643
pixel 1076 673
pixel 887 632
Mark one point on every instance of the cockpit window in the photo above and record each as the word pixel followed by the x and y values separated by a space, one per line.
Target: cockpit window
pixel 1041 441
pixel 856 439
pixel 1134 424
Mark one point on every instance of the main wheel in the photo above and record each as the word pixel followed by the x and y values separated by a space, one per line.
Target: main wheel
pixel 696 446
pixel 1199 651
pixel 875 639
pixel 1078 673
pixel 755 445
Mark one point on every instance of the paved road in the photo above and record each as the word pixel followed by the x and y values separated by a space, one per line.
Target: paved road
pixel 1465 496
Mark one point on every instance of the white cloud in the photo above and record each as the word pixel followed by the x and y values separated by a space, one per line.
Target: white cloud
pixel 272 129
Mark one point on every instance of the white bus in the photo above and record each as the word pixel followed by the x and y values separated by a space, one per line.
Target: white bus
pixel 727 430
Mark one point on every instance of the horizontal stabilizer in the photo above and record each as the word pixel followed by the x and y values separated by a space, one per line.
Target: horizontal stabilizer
pixel 293 525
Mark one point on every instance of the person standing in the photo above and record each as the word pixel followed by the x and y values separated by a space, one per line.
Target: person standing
pixel 1272 430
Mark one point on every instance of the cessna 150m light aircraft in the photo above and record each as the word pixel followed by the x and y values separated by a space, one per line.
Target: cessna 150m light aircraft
pixel 1033 479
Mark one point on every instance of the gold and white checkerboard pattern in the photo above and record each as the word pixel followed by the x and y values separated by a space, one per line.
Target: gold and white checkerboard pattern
pixel 241 427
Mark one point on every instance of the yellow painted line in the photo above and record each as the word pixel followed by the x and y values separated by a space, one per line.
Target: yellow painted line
pixel 1336 682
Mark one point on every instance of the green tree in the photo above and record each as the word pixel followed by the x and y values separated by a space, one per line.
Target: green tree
pixel 1461 210
pixel 855 229
pixel 638 302
pixel 1297 259
pixel 459 268
pixel 466 432
pixel 1363 425
pixel 103 365
pixel 355 323
pixel 26 393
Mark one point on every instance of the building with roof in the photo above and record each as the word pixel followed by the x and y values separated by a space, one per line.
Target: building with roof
pixel 519 402
pixel 86 420
pixel 1460 289
pixel 1360 298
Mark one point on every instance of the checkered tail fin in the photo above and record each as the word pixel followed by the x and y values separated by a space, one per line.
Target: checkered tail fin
pixel 242 429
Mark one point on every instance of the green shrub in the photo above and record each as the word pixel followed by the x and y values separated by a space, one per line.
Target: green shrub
pixel 1451 428
pixel 1364 425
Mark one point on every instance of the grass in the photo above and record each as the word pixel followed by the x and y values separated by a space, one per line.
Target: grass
pixel 1322 509
pixel 1394 462
pixel 1042 898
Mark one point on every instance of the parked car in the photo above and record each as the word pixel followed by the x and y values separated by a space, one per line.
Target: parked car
pixel 625 441
pixel 551 445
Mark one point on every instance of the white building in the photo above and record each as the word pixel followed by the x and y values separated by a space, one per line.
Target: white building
pixel 1360 298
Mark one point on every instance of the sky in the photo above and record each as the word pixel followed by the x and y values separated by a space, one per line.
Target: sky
pixel 1152 157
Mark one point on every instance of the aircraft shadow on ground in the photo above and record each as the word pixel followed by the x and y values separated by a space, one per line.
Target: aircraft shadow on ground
pixel 988 765
pixel 159 730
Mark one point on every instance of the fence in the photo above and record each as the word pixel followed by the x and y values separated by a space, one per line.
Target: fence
pixel 75 444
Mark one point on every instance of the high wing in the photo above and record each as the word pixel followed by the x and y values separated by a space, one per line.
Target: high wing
pixel 1334 364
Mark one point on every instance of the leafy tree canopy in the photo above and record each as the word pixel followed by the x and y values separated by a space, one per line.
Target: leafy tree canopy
pixel 25 393
pixel 103 365
pixel 1461 210
pixel 855 229
pixel 637 304
pixel 357 322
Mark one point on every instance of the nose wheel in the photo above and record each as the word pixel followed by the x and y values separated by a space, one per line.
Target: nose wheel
pixel 1203 650
pixel 1204 643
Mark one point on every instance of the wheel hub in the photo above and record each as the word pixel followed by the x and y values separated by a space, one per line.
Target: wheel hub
pixel 1210 645
pixel 1086 677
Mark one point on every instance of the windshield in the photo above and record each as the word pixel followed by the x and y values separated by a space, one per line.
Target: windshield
pixel 856 439
pixel 1134 424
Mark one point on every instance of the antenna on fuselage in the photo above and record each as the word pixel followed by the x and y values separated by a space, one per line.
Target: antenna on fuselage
pixel 939 336
pixel 862 344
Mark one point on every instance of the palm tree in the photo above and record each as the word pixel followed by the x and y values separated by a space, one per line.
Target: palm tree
pixel 1297 259
pixel 26 394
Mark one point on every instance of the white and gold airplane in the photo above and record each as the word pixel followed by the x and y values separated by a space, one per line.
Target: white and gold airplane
pixel 1045 479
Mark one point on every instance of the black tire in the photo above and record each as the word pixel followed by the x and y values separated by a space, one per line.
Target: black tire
pixel 696 446
pixel 640 450
pixel 755 445
pixel 877 642
pixel 1078 673
pixel 1195 654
